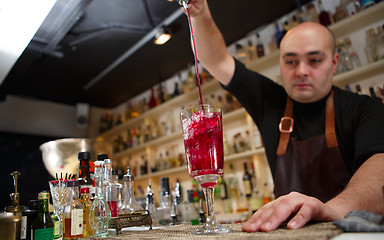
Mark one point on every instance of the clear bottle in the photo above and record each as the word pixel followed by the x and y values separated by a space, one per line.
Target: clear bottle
pixel 164 209
pixel 129 204
pixel 42 226
pixel 110 191
pixel 99 213
pixel 311 14
pixel 353 56
pixel 118 187
pixel 189 212
pixel 73 213
pixel 176 204
pixel 150 205
pixel 85 200
pixel 351 6
pixel 370 45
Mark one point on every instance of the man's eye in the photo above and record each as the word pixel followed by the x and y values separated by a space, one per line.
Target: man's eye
pixel 290 62
pixel 316 60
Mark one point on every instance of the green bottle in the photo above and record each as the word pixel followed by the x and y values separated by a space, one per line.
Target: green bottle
pixel 42 227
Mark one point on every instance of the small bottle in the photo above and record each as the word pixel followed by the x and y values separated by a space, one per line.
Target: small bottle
pixel 202 217
pixel 176 205
pixel 129 204
pixel 351 6
pixel 27 219
pixel 99 213
pixel 241 55
pixel 42 226
pixel 110 191
pixel 73 213
pixel 164 209
pixel 85 200
pixel 259 46
pixel 223 189
pixel 278 35
pixel 247 181
pixel 190 215
pixel 150 205
pixel 84 170
pixel 251 51
pixel 118 187
pixel 152 100
pixel 323 15
pixel 358 89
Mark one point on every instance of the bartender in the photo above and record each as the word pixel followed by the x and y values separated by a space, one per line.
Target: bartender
pixel 325 146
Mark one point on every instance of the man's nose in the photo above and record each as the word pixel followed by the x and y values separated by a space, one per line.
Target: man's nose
pixel 302 70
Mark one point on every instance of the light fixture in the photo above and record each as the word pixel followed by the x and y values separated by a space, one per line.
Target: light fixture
pixel 162 36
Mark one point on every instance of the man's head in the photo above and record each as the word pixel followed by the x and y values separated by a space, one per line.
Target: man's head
pixel 308 62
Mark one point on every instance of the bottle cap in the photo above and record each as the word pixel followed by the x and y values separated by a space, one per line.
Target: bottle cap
pixel 84 155
pixel 128 176
pixel 84 190
pixel 102 156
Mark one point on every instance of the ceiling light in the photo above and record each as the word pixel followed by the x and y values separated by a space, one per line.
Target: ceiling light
pixel 162 36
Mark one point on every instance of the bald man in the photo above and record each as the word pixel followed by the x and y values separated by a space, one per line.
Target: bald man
pixel 325 146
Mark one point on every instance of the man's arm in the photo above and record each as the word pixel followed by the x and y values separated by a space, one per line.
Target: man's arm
pixel 364 191
pixel 210 45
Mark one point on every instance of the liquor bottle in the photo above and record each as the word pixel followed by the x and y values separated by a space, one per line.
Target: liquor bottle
pixel 247 181
pixel 380 42
pixel 164 209
pixel 278 35
pixel 150 205
pixel 323 15
pixel 223 189
pixel 311 14
pixel 42 226
pixel 176 204
pixel 84 170
pixel 358 89
pixel 373 94
pixel 353 56
pixel 152 100
pixel 118 187
pixel 351 6
pixel 370 45
pixel 129 204
pixel 367 3
pixel 28 216
pixel 202 217
pixel 73 213
pixel 110 191
pixel 259 46
pixel 190 215
pixel 99 213
pixel 339 14
pixel 85 200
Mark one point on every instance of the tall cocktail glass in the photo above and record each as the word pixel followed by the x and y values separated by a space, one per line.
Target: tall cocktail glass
pixel 203 141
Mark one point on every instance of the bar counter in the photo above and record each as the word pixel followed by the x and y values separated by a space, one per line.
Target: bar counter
pixel 317 231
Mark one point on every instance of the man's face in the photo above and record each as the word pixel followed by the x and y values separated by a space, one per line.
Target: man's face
pixel 307 63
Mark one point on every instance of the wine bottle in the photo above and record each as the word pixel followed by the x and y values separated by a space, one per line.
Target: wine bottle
pixel 247 181
pixel 42 227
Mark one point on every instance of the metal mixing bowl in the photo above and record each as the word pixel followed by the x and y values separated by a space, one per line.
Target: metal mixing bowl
pixel 61 156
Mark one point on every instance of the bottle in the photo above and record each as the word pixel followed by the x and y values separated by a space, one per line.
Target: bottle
pixel 370 45
pixel 57 234
pixel 150 205
pixel 27 219
pixel 339 14
pixel 202 217
pixel 152 100
pixel 85 200
pixel 73 213
pixel 380 43
pixel 323 15
pixel 110 191
pixel 351 7
pixel 373 94
pixel 259 46
pixel 358 89
pixel 251 51
pixel 118 187
pixel 129 204
pixel 164 209
pixel 367 3
pixel 278 35
pixel 99 213
pixel 84 170
pixel 247 181
pixel 189 212
pixel 42 226
pixel 176 205
pixel 311 14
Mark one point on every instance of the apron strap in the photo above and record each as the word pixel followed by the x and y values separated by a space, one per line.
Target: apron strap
pixel 286 125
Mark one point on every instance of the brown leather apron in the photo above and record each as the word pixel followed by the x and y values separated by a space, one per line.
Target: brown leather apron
pixel 313 166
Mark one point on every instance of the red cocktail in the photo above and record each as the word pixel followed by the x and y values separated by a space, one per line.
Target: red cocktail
pixel 203 142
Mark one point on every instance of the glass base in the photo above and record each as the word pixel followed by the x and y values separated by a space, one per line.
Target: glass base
pixel 212 229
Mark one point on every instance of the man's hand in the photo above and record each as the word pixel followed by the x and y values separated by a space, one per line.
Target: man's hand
pixel 301 207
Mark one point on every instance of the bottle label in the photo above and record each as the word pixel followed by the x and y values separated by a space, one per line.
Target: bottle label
pixel 43 234
pixel 247 187
pixel 77 222
pixel 56 229
pixel 23 228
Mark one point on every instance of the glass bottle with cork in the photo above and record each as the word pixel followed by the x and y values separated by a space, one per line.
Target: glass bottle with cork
pixel 42 227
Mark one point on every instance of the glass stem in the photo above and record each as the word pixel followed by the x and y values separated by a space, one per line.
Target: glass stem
pixel 208 192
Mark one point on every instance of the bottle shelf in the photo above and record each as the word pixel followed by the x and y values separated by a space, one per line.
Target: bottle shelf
pixel 228 158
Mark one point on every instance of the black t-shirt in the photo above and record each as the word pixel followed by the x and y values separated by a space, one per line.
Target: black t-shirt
pixel 359 118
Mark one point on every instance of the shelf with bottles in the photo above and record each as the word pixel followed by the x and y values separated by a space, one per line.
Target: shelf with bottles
pixel 341 28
